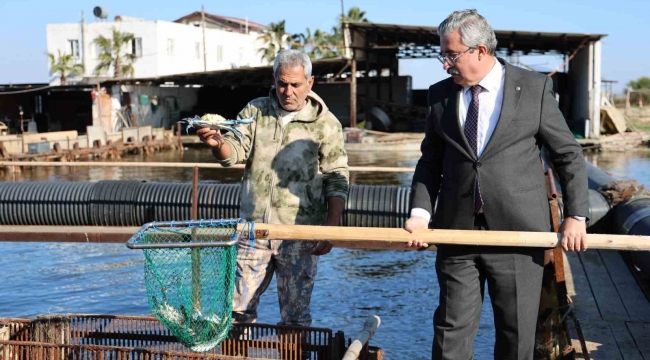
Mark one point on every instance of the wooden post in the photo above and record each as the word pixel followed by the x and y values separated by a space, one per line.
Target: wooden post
pixel 195 193
pixel 378 75
pixel 22 127
pixel 366 103
pixel 353 93
pixel 390 78
pixel 196 253
pixel 180 140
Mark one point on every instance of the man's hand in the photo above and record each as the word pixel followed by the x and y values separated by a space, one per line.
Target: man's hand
pixel 574 235
pixel 322 247
pixel 335 207
pixel 210 137
pixel 214 139
pixel 416 223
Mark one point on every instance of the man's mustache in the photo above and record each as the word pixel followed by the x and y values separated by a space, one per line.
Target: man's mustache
pixel 452 71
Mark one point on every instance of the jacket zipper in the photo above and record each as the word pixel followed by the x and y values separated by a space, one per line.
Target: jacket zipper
pixel 267 213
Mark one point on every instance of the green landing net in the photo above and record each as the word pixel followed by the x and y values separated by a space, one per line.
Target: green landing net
pixel 190 277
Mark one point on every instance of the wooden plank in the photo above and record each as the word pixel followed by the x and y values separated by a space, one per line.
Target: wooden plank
pixel 49 136
pixel 635 301
pixel 607 298
pixel 600 341
pixel 641 334
pixel 625 341
pixel 579 290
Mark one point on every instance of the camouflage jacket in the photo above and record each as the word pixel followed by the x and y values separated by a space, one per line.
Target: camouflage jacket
pixel 290 172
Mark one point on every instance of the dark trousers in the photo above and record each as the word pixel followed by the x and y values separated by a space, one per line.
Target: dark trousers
pixel 514 280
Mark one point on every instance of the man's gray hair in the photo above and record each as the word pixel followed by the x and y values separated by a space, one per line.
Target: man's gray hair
pixel 291 58
pixel 472 27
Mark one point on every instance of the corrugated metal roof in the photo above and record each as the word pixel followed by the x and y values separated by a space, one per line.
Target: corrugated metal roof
pixel 410 36
pixel 257 76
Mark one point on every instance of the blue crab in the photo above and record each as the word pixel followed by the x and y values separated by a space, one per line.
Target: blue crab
pixel 218 122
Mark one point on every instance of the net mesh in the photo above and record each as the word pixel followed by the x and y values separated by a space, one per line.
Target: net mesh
pixel 190 289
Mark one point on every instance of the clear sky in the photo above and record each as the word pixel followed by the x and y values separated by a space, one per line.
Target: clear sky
pixel 625 51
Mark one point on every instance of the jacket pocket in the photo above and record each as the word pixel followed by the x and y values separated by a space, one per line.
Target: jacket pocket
pixel 526 189
pixel 519 123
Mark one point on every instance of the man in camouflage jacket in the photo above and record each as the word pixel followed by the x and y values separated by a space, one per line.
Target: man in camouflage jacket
pixel 296 173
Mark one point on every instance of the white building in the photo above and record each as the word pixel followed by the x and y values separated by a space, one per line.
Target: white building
pixel 163 47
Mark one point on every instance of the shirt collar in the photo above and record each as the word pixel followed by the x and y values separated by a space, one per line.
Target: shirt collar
pixel 492 81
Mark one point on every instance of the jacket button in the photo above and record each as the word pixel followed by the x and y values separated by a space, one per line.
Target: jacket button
pixel 478 164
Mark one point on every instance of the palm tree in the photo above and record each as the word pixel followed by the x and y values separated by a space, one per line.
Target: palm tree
pixel 324 45
pixel 336 38
pixel 319 45
pixel 301 41
pixel 275 39
pixel 354 15
pixel 64 65
pixel 111 54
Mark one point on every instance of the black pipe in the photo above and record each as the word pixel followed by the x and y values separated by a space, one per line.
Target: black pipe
pixel 632 217
pixel 133 203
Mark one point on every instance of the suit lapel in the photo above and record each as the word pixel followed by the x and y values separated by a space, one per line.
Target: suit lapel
pixel 512 89
pixel 450 124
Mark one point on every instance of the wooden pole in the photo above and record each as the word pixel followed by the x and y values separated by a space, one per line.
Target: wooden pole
pixel 353 93
pixel 449 237
pixel 196 252
pixel 205 66
pixel 179 165
pixel 366 95
pixel 99 109
pixel 180 139
pixel 347 237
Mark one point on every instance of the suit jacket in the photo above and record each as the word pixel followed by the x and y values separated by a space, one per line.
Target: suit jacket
pixel 509 169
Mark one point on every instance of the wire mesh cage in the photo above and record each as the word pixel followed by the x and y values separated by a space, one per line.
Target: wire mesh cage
pixel 189 274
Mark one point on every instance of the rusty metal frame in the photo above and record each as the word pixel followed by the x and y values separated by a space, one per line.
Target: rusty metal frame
pixel 146 338
pixel 424 42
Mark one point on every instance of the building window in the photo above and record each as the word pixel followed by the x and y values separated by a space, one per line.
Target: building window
pixel 73 45
pixel 170 47
pixel 220 53
pixel 197 49
pixel 136 47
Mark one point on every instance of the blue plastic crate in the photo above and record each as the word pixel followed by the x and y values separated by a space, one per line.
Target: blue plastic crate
pixel 38 148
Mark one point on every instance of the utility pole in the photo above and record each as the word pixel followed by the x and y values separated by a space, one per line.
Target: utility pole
pixel 205 66
pixel 84 54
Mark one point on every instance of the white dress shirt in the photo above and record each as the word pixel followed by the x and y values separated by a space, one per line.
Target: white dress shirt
pixel 490 100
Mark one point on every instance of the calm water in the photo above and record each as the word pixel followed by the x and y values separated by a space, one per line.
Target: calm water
pixel 400 287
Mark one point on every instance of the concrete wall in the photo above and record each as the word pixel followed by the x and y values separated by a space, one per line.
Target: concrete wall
pixel 224 50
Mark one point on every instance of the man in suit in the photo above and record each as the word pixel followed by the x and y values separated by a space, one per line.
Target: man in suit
pixel 481 162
